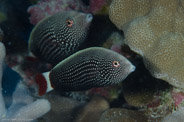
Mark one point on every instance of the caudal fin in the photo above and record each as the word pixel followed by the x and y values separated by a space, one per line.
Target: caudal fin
pixel 43 83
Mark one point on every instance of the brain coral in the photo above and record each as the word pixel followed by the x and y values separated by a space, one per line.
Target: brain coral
pixel 155 30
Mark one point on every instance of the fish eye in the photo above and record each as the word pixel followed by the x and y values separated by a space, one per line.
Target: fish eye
pixel 115 64
pixel 69 23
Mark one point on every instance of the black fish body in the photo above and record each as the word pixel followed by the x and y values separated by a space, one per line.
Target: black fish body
pixel 58 36
pixel 88 68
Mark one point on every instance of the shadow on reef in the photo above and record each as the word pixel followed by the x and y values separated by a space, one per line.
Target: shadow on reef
pixel 17 27
pixel 86 2
pixel 139 88
pixel 100 30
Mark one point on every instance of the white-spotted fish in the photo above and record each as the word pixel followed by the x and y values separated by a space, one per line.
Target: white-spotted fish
pixel 85 69
pixel 60 35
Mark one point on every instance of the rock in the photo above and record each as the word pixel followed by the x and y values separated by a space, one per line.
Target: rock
pixel 122 115
pixel 92 111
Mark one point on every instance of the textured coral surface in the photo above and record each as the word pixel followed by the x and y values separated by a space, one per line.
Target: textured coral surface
pixel 122 115
pixel 49 7
pixel 154 29
pixel 176 116
pixel 23 107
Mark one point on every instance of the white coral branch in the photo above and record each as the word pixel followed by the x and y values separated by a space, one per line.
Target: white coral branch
pixel 23 108
pixel 2 104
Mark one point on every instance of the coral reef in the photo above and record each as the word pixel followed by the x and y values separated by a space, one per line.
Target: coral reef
pixel 122 115
pixel 122 12
pixel 92 111
pixel 176 116
pixel 154 29
pixel 49 7
pixel 162 105
pixel 110 92
pixel 62 108
pixel 139 98
pixel 2 104
pixel 178 97
pixel 73 110
pixel 23 107
pixel 96 5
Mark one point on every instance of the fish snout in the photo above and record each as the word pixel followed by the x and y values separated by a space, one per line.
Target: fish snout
pixel 129 66
pixel 132 68
pixel 89 17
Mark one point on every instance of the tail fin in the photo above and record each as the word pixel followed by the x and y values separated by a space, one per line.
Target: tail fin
pixel 43 83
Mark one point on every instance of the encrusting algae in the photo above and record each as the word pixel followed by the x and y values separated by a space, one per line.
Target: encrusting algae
pixel 154 29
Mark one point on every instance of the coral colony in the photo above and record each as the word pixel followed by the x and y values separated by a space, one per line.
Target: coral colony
pixel 45 8
pixel 152 32
pixel 65 77
pixel 23 107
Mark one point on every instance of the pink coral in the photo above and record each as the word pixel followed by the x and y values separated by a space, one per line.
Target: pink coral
pixel 49 7
pixel 117 48
pixel 123 50
pixel 100 91
pixel 178 98
pixel 96 5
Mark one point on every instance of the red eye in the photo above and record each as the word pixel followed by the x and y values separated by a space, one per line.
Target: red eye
pixel 115 63
pixel 69 23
